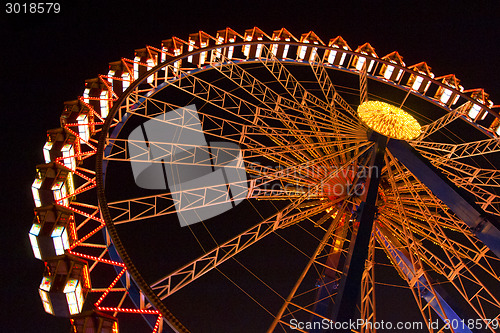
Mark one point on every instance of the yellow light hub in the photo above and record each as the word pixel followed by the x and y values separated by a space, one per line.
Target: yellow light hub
pixel 389 120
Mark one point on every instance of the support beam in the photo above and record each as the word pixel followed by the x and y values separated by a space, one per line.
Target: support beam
pixel 363 85
pixel 485 227
pixel 349 289
pixel 397 254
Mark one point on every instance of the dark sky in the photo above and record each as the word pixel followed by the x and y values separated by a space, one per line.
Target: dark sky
pixel 47 57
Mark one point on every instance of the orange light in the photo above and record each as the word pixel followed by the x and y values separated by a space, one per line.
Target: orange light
pixel 389 120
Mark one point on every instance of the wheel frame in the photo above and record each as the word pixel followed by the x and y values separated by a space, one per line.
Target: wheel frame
pixel 118 251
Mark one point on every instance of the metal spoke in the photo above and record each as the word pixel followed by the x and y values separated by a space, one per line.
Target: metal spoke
pixel 478 296
pixel 295 89
pixel 284 218
pixel 164 203
pixel 441 122
pixel 313 258
pixel 452 151
pixel 409 263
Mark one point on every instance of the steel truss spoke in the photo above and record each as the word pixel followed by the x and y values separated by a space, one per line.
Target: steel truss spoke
pixel 452 151
pixel 270 99
pixel 277 154
pixel 465 281
pixel 410 268
pixel 295 89
pixel 440 123
pixel 312 170
pixel 332 96
pixel 233 104
pixel 165 152
pixel 284 218
pixel 313 258
pixel 164 204
pixel 138 209
pixel 295 175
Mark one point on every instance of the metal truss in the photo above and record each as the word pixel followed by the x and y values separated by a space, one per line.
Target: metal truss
pixel 288 134
pixel 363 84
pixel 442 122
pixel 210 260
pixel 461 150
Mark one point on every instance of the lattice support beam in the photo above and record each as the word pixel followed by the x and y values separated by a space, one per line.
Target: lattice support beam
pixel 441 122
pixel 420 282
pixel 461 150
pixel 363 84
pixel 349 289
pixel 486 228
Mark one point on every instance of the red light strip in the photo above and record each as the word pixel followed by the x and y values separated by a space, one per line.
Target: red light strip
pixel 81 204
pixel 105 261
pixel 110 89
pixel 101 308
pixel 78 191
pixel 91 108
pixel 84 214
pixel 110 286
pixel 83 239
pixel 79 174
pixel 78 135
pixel 157 325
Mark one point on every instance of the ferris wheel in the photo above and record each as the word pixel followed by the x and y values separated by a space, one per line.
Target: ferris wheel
pixel 271 183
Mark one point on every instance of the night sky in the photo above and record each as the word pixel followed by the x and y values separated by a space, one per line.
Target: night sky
pixel 47 57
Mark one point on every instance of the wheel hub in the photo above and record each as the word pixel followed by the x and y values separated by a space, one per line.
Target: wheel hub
pixel 389 120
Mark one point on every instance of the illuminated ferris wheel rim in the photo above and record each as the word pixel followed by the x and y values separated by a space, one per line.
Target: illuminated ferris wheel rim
pixel 142 79
pixel 107 136
pixel 100 164
pixel 155 301
pixel 458 91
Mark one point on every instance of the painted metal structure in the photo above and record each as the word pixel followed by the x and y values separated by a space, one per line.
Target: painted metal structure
pixel 315 137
